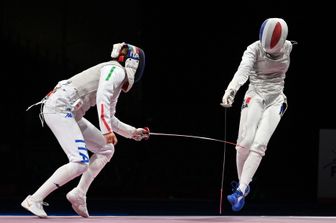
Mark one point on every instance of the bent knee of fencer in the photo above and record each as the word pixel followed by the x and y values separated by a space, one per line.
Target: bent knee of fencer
pixel 98 161
pixel 107 151
pixel 259 148
pixel 242 150
pixel 245 142
pixel 79 167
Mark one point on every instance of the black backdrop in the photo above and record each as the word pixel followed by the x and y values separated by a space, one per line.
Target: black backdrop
pixel 192 52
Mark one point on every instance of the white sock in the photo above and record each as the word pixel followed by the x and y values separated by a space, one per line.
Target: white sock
pixel 241 156
pixel 242 187
pixel 60 177
pixel 250 167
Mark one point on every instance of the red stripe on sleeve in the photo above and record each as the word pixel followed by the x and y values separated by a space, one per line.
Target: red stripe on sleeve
pixel 102 116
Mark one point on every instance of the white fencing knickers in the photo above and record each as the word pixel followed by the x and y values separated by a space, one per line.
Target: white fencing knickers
pixel 75 137
pixel 258 121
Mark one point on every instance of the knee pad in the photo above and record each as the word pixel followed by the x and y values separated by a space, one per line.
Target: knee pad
pixel 259 148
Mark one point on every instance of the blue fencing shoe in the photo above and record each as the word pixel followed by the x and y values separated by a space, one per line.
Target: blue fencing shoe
pixel 237 199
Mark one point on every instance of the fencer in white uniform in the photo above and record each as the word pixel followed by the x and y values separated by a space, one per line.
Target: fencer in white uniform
pixel 63 110
pixel 264 63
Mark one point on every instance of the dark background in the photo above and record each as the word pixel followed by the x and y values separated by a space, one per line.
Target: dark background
pixel 192 52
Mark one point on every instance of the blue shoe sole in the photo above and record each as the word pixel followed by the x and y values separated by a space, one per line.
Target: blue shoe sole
pixel 236 206
pixel 239 205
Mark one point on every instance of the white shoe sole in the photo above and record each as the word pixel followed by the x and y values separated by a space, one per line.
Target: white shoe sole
pixel 26 205
pixel 79 212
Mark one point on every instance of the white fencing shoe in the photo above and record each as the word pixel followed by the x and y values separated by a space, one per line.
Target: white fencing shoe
pixel 34 206
pixel 78 202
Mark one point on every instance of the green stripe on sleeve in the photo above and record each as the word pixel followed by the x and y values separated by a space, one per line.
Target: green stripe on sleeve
pixel 110 73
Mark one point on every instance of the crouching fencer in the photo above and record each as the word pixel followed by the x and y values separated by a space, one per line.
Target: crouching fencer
pixel 63 110
pixel 265 63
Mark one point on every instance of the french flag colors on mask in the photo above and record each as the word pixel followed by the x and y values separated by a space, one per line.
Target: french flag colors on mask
pixel 272 35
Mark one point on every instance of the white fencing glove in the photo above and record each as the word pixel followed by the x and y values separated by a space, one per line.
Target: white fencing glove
pixel 140 133
pixel 228 98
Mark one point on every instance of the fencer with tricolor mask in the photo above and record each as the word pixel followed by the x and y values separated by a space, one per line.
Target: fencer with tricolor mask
pixel 273 34
pixel 264 63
